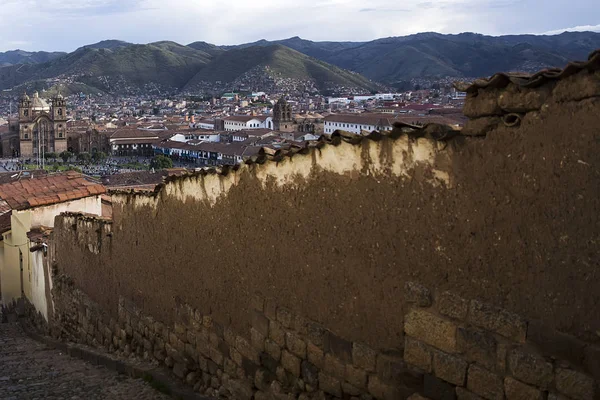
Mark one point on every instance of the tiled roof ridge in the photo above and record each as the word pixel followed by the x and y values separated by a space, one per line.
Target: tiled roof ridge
pixel 503 79
pixel 432 131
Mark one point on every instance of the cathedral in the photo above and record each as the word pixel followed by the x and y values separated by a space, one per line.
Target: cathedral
pixel 39 128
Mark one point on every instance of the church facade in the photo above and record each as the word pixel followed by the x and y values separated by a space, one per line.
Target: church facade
pixel 39 128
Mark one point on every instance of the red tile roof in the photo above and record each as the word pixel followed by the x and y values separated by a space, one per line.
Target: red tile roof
pixel 46 190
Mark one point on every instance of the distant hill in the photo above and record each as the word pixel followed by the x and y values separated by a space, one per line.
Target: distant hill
pixel 430 54
pixel 108 44
pixel 207 48
pixel 165 65
pixel 279 62
pixel 26 57
pixel 118 67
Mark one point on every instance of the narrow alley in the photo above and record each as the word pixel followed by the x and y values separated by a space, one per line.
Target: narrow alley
pixel 32 370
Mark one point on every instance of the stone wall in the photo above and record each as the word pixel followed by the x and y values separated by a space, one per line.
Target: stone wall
pixel 454 264
pixel 468 349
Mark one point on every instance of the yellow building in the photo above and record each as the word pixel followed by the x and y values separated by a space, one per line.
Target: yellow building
pixel 26 206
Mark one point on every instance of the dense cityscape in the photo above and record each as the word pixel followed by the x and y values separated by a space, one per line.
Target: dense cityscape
pixel 214 208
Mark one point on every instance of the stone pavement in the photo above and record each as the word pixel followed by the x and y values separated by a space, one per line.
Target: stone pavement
pixel 32 370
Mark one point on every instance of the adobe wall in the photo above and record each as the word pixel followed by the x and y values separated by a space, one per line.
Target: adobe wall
pixel 330 271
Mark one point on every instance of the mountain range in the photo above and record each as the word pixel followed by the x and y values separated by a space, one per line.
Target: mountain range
pixel 118 67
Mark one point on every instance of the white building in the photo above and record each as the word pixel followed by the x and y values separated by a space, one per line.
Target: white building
pixel 240 122
pixel 357 123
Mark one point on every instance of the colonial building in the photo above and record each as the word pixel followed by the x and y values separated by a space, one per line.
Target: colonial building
pixel 28 204
pixel 88 140
pixel 357 123
pixel 40 128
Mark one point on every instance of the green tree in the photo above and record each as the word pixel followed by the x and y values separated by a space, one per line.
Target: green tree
pixel 66 155
pixel 84 158
pixel 98 157
pixel 50 156
pixel 161 162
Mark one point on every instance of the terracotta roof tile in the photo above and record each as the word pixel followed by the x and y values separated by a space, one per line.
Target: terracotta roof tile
pixel 45 190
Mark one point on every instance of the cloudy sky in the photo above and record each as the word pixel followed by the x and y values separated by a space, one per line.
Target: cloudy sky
pixel 64 25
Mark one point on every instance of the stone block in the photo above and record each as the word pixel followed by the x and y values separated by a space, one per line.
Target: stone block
pixel 356 377
pixel 417 294
pixel 239 390
pixel 431 329
pixel 558 344
pixel 269 362
pixel 216 356
pixel 330 385
pixel 574 384
pixel 229 336
pixel 417 396
pixel 350 390
pixel 437 389
pixel 450 368
pixel 263 379
pixel 207 321
pixel 452 305
pixel 315 355
pixel 273 349
pixel 236 356
pixel 484 383
pixel 317 335
pixel 277 334
pixel 464 394
pixel 260 322
pixel 257 302
pixel 310 373
pixel 380 390
pixel 300 325
pixel 270 310
pixel 392 369
pixel 180 370
pixel 364 357
pixel 249 367
pixel 498 320
pixel 285 317
pixel 530 368
pixel 257 339
pixel 230 367
pixel 334 366
pixel 291 363
pixel 246 349
pixel 478 346
pixel 418 354
pixel 295 345
pixel 341 348
pixel 516 390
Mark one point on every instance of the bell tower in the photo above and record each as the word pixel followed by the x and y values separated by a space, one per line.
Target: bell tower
pixel 58 114
pixel 282 116
pixel 25 108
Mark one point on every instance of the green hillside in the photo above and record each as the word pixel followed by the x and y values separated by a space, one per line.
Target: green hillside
pixel 281 60
pixel 167 63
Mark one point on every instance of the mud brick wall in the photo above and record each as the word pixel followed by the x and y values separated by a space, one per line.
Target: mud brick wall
pixel 503 216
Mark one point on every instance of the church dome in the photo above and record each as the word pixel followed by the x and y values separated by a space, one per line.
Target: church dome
pixel 39 104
